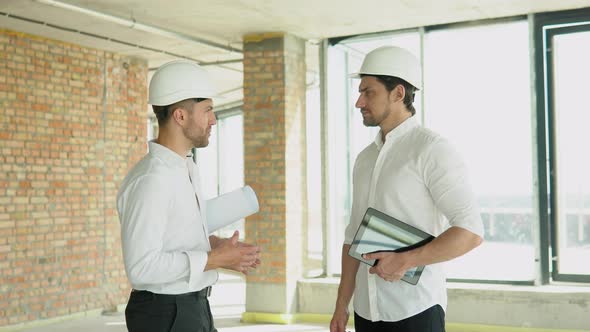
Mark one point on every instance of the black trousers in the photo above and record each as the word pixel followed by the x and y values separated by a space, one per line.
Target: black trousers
pixel 429 320
pixel 150 312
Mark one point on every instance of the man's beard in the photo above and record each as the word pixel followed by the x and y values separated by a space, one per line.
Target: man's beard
pixel 370 122
pixel 198 141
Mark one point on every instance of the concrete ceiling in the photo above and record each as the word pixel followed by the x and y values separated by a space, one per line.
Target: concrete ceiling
pixel 211 31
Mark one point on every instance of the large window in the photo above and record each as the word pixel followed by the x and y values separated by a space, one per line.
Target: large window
pixel 563 40
pixel 571 118
pixel 313 256
pixel 221 164
pixel 478 93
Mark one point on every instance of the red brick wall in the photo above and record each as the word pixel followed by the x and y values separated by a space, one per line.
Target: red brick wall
pixel 264 153
pixel 73 122
pixel 274 142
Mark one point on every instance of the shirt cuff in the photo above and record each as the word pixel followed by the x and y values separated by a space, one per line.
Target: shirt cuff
pixel 197 262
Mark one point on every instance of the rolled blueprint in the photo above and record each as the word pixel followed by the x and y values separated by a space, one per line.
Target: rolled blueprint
pixel 230 207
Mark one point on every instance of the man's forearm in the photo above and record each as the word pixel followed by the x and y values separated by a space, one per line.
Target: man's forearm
pixel 452 243
pixel 347 279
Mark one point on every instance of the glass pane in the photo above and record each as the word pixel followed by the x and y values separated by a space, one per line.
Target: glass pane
pixel 477 94
pixel 313 266
pixel 231 163
pixel 231 153
pixel 207 165
pixel 338 207
pixel 571 119
pixel 347 135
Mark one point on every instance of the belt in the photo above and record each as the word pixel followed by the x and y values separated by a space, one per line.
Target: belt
pixel 203 293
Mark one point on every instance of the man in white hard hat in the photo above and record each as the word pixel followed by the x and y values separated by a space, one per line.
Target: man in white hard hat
pixel 169 257
pixel 413 175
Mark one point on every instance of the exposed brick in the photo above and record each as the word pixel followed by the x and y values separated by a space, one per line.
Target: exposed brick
pixel 274 81
pixel 63 156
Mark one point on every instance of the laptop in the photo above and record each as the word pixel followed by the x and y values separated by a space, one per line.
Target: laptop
pixel 380 232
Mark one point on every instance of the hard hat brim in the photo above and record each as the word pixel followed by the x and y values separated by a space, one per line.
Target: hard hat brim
pixel 169 101
pixel 358 75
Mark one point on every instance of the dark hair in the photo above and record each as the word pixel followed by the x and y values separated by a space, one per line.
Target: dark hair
pixel 163 112
pixel 391 82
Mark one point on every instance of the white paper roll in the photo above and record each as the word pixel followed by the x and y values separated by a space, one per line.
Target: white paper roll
pixel 231 207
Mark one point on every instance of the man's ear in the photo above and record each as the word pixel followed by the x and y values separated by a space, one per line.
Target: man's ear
pixel 397 94
pixel 178 115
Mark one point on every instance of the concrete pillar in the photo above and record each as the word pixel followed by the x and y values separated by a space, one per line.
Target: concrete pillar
pixel 275 150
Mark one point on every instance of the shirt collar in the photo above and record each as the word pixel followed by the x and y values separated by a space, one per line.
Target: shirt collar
pixel 397 132
pixel 165 154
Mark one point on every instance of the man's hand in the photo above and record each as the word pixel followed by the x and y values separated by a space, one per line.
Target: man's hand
pixel 247 245
pixel 339 320
pixel 391 265
pixel 233 255
pixel 350 267
pixel 452 243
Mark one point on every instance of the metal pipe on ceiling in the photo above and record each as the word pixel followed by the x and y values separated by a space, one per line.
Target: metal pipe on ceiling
pixel 211 63
pixel 220 63
pixel 133 24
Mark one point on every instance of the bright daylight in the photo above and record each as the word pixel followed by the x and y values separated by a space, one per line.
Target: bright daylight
pixel 303 166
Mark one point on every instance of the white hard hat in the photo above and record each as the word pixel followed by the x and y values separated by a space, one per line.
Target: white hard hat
pixel 179 80
pixel 392 61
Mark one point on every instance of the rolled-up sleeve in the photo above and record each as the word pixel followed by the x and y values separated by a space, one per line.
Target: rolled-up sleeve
pixel 446 177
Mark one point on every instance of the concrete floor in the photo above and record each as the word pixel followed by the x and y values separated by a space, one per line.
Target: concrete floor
pixel 116 323
pixel 227 305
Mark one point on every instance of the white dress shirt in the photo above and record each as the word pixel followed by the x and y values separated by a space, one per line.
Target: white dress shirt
pixel 416 177
pixel 163 227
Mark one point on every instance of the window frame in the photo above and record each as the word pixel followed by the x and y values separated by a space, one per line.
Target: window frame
pixel 545 27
